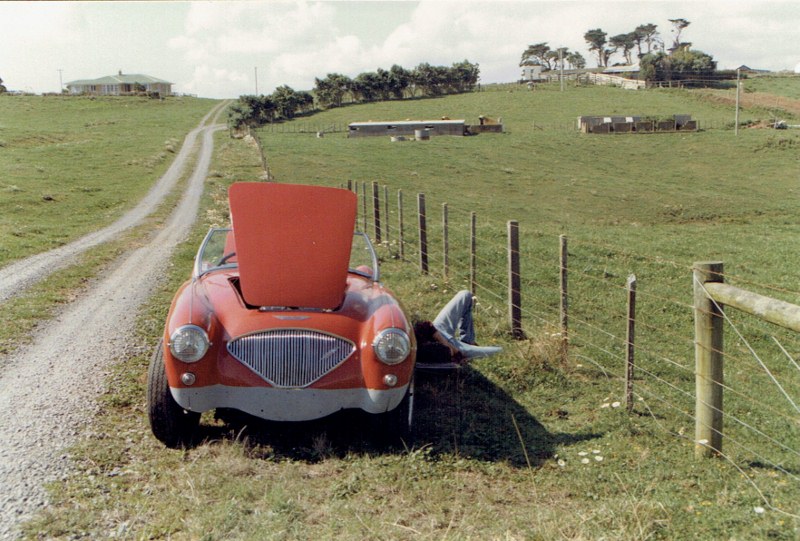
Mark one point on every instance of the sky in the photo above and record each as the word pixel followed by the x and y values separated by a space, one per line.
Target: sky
pixel 222 49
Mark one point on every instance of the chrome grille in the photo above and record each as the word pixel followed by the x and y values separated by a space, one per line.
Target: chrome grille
pixel 290 357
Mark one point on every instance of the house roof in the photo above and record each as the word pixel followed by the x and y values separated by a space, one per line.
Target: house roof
pixel 120 78
pixel 622 69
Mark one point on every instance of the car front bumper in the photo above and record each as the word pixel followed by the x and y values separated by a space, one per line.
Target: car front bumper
pixel 287 404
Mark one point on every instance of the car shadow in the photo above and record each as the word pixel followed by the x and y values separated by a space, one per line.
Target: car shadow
pixel 459 412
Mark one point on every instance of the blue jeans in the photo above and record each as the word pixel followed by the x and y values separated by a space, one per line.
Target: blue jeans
pixel 454 321
pixel 455 324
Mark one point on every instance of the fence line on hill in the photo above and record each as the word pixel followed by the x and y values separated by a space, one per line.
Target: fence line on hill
pixel 625 316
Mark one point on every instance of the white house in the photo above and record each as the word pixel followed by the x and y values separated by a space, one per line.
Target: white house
pixel 120 85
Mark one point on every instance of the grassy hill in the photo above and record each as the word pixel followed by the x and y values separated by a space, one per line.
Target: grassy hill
pixel 72 164
pixel 523 445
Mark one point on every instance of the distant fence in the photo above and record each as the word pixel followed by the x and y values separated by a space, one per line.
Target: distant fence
pixel 634 331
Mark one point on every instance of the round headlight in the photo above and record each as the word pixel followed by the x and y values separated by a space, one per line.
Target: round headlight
pixel 392 346
pixel 188 343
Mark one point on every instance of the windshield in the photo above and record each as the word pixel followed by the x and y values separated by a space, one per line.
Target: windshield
pixel 218 251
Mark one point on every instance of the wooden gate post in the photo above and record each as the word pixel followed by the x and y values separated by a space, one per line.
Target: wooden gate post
pixel 708 332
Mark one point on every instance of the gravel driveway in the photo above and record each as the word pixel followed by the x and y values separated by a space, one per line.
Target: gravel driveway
pixel 48 389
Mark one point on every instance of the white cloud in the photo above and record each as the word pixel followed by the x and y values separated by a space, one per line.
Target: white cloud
pixel 211 48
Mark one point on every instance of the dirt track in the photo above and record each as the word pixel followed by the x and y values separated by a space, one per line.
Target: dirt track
pixel 48 389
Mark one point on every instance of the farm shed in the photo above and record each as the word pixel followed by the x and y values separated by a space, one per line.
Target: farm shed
pixel 635 124
pixel 120 85
pixel 407 127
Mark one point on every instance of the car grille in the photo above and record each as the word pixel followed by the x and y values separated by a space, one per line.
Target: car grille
pixel 291 357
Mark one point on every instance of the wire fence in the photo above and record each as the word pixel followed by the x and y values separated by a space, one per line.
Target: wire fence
pixel 581 292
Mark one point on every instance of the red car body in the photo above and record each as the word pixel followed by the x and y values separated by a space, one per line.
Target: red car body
pixel 275 323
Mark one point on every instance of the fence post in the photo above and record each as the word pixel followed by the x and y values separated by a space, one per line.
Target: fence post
pixel 358 198
pixel 445 242
pixel 364 204
pixel 564 306
pixel 423 234
pixel 350 185
pixel 376 211
pixel 386 214
pixel 708 332
pixel 473 253
pixel 514 282
pixel 400 224
pixel 630 341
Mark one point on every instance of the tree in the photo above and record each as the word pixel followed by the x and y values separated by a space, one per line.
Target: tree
pixel 287 102
pixel 685 65
pixel 331 90
pixel 2 88
pixel 596 39
pixel 465 75
pixel 576 60
pixel 536 55
pixel 399 81
pixel 677 27
pixel 626 42
pixel 647 34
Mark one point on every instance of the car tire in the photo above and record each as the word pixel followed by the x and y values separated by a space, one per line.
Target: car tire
pixel 397 426
pixel 170 423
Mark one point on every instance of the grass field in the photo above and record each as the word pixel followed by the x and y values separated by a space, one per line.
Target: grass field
pixel 72 165
pixel 522 445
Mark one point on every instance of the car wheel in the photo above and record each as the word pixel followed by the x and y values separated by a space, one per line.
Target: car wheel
pixel 170 423
pixel 397 426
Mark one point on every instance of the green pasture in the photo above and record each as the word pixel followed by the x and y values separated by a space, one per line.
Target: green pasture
pixel 524 445
pixel 780 85
pixel 72 164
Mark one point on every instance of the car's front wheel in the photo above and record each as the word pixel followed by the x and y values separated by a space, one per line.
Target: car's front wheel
pixel 397 426
pixel 170 423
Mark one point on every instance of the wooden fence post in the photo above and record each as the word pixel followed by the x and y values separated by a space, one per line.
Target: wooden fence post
pixel 630 340
pixel 473 253
pixel 358 198
pixel 423 234
pixel 708 332
pixel 564 306
pixel 364 204
pixel 400 224
pixel 445 243
pixel 514 282
pixel 350 185
pixel 376 211
pixel 386 214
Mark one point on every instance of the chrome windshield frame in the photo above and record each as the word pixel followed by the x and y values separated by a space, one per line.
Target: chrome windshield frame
pixel 198 261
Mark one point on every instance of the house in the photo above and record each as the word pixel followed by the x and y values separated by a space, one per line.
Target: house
pixel 532 73
pixel 120 85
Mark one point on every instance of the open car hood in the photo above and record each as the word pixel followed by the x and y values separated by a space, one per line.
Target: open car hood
pixel 293 243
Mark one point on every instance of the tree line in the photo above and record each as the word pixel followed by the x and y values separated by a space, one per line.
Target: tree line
pixel 657 61
pixel 335 90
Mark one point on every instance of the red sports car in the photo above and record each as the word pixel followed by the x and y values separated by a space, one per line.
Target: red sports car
pixel 284 318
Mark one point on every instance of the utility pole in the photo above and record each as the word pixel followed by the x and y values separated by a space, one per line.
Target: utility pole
pixel 738 86
pixel 60 82
pixel 561 61
pixel 256 72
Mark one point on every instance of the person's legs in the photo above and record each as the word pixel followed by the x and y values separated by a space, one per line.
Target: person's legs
pixel 457 315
